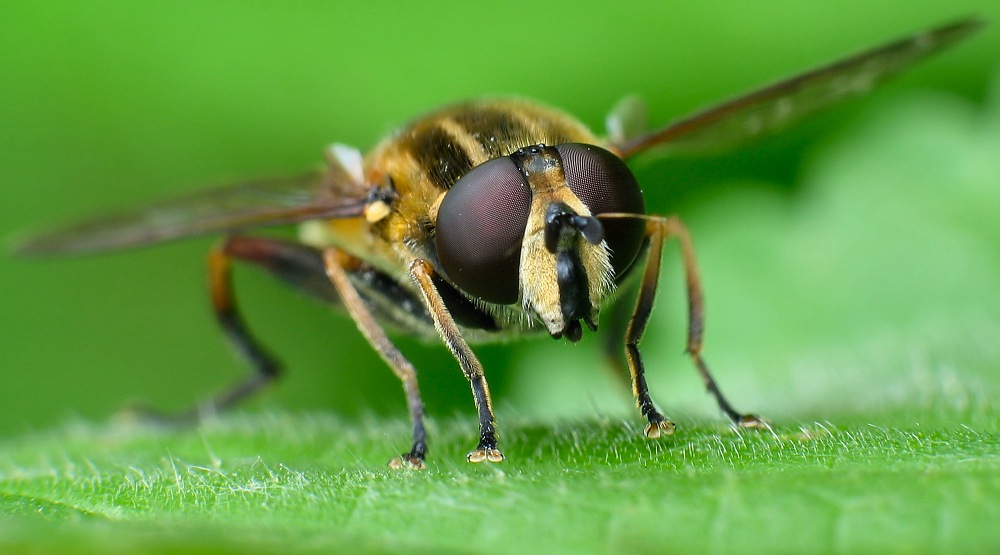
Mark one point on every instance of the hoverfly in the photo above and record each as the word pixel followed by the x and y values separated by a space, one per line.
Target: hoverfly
pixel 479 221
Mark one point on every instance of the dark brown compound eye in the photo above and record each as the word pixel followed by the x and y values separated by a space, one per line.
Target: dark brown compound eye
pixel 605 184
pixel 480 226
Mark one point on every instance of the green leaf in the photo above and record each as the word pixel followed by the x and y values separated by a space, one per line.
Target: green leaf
pixel 305 483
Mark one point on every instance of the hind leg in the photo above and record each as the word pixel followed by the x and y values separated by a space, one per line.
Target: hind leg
pixel 291 262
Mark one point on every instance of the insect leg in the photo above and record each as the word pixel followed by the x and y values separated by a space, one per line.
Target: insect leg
pixel 220 278
pixel 661 229
pixel 422 274
pixel 633 333
pixel 338 264
pixel 298 265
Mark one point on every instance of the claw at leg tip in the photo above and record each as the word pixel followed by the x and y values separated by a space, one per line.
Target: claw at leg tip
pixel 754 421
pixel 485 455
pixel 407 462
pixel 655 430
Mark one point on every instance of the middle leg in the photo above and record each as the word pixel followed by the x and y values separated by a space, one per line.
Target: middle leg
pixel 338 264
pixel 658 230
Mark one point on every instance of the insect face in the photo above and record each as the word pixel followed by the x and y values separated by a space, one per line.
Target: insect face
pixel 524 228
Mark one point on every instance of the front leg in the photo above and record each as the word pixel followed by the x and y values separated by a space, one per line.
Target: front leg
pixel 422 274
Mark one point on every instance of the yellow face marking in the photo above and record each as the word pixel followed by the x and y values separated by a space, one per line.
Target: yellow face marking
pixel 539 285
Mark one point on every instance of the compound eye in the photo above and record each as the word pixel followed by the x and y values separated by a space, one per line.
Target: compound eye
pixel 480 227
pixel 604 183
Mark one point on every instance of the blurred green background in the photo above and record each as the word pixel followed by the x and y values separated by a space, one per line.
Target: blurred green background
pixel 106 104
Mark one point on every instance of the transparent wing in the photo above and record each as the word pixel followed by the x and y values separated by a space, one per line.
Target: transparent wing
pixel 784 103
pixel 628 119
pixel 237 207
